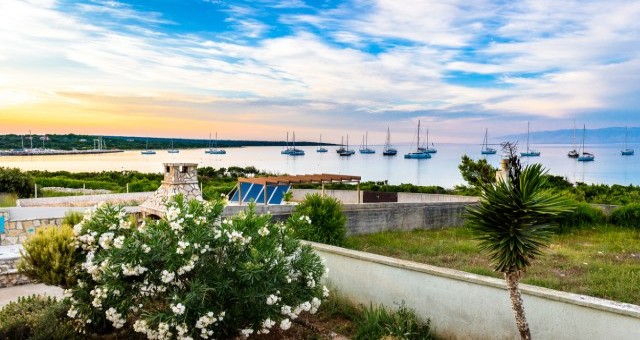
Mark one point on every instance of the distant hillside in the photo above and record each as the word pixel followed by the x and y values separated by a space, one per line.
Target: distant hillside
pixel 85 142
pixel 592 136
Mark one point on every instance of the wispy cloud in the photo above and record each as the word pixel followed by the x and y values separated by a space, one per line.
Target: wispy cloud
pixel 319 66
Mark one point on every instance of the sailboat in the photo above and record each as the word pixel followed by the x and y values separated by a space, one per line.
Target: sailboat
pixel 426 148
pixel 147 151
pixel 341 148
pixel 320 147
pixel 215 150
pixel 346 151
pixel 574 153
pixel 586 156
pixel 287 149
pixel 364 148
pixel 627 151
pixel 172 150
pixel 418 154
pixel 486 150
pixel 388 150
pixel 293 151
pixel 529 152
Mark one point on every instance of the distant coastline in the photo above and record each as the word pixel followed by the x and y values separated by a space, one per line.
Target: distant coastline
pixel 86 143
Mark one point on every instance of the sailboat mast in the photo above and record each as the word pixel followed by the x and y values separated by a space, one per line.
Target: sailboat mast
pixel 574 134
pixel 418 144
pixel 528 136
pixel 626 133
pixel 583 131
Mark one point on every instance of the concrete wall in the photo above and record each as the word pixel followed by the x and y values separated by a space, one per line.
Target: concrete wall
pixel 85 201
pixel 467 306
pixel 344 196
pixel 376 217
pixel 350 196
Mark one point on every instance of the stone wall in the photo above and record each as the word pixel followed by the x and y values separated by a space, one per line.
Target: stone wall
pixel 134 198
pixel 9 275
pixel 16 232
pixel 376 217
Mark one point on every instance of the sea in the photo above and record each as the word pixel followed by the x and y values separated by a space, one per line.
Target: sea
pixel 609 166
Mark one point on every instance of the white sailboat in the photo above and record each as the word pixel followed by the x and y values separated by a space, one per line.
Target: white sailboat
pixel 486 150
pixel 418 154
pixel 364 148
pixel 529 152
pixel 388 150
pixel 627 151
pixel 585 156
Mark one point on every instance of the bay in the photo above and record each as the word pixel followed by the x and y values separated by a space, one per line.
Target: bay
pixel 609 166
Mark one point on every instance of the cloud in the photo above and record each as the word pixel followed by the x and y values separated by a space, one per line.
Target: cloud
pixel 327 65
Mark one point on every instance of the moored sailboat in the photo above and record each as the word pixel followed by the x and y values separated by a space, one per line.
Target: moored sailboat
pixel 585 156
pixel 418 154
pixel 574 153
pixel 214 150
pixel 426 148
pixel 627 151
pixel 388 150
pixel 320 147
pixel 148 151
pixel 364 148
pixel 529 152
pixel 172 150
pixel 346 152
pixel 486 150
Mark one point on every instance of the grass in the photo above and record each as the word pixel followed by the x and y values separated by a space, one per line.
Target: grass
pixel 8 200
pixel 602 261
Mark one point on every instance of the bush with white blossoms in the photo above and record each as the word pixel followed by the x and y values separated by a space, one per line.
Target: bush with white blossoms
pixel 192 275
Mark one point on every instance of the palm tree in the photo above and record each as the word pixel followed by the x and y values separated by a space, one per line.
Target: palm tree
pixel 514 222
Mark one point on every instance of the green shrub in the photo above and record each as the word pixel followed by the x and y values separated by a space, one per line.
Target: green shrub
pixel 584 215
pixel 35 317
pixel 48 256
pixel 626 216
pixel 320 219
pixel 71 218
pixel 192 274
pixel 8 200
pixel 378 323
pixel 14 181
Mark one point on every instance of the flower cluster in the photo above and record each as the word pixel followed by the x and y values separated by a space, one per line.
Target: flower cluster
pixel 129 270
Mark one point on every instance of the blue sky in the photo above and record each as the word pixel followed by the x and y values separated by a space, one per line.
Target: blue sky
pixel 255 69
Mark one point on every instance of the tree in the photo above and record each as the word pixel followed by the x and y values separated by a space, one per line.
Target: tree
pixel 514 222
pixel 14 181
pixel 477 173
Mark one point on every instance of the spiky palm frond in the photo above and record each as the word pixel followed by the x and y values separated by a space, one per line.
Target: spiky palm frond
pixel 514 220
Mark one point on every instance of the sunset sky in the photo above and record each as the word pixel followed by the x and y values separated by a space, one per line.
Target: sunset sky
pixel 257 69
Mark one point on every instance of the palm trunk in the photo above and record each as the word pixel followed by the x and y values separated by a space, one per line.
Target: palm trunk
pixel 512 279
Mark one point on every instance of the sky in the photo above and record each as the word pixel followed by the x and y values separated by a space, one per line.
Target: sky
pixel 257 69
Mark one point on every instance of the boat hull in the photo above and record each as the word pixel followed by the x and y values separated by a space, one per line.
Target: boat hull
pixel 148 152
pixel 367 151
pixel 530 154
pixel 628 152
pixel 488 152
pixel 417 155
pixel 322 150
pixel 390 152
pixel 173 151
pixel 573 154
pixel 586 157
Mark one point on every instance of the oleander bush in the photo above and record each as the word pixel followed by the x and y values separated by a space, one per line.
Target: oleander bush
pixel 35 317
pixel 49 255
pixel 584 215
pixel 320 219
pixel 626 216
pixel 191 275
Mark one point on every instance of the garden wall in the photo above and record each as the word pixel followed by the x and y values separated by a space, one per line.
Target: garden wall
pixel 134 198
pixel 351 196
pixel 467 306
pixel 376 217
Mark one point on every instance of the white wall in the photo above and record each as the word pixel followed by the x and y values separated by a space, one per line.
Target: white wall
pixel 467 306
pixel 350 196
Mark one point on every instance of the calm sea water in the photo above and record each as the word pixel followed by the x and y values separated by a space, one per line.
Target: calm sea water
pixel 442 169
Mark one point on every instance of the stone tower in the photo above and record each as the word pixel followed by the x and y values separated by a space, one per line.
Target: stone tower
pixel 179 178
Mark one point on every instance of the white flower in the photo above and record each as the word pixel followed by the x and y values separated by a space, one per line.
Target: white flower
pixel 115 317
pixel 178 309
pixel 105 240
pixel 118 242
pixel 264 231
pixel 268 323
pixel 72 312
pixel 167 277
pixel 285 310
pixel 325 291
pixel 146 249
pixel 285 324
pixel 271 299
pixel 305 306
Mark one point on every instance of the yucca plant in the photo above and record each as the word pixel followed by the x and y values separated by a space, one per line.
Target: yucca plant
pixel 513 222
